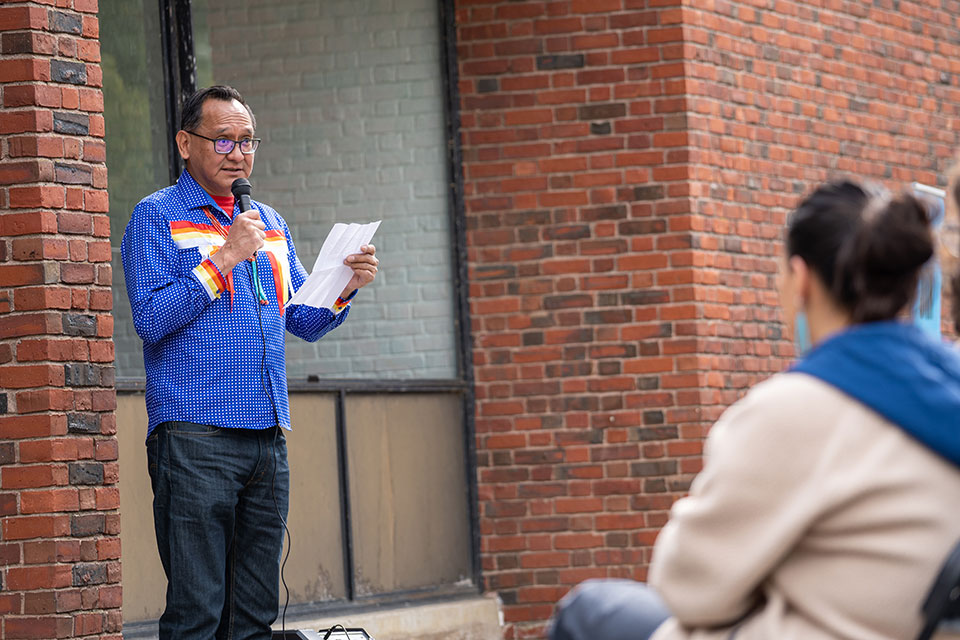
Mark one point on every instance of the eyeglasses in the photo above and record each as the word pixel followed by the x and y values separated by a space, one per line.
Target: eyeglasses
pixel 224 146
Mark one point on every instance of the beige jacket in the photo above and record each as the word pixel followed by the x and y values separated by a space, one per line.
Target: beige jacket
pixel 813 519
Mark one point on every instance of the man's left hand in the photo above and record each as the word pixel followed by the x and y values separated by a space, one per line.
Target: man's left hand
pixel 364 267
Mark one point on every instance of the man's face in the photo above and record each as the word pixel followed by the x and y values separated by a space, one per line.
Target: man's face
pixel 213 171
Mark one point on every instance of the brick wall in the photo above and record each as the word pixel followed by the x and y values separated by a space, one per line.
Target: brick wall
pixel 781 99
pixel 59 541
pixel 628 169
pixel 584 285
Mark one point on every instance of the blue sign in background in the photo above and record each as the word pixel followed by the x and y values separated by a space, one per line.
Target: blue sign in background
pixel 926 308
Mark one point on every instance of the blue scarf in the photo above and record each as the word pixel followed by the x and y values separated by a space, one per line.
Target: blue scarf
pixel 901 373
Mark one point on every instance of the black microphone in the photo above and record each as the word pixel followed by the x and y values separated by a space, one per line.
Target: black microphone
pixel 241 191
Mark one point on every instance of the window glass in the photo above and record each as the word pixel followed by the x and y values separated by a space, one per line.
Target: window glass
pixel 348 99
pixel 136 124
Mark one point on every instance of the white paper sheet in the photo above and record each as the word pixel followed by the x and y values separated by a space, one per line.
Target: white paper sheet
pixel 330 275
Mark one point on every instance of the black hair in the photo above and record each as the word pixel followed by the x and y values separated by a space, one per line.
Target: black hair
pixel 192 112
pixel 868 248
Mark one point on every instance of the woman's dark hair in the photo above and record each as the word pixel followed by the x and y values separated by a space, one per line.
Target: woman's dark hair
pixel 866 247
pixel 192 112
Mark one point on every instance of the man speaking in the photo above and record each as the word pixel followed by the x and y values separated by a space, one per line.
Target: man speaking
pixel 207 282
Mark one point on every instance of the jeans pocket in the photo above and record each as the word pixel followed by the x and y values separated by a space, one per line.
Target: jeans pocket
pixel 191 429
pixel 153 444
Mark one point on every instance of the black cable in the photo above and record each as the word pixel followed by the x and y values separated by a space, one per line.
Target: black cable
pixel 273 482
pixel 273 488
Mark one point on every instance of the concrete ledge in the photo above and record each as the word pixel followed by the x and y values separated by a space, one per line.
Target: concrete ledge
pixel 474 618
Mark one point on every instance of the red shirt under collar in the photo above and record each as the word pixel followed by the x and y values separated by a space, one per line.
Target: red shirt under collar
pixel 225 203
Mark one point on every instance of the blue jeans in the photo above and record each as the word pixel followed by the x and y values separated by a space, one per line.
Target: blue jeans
pixel 215 510
pixel 611 609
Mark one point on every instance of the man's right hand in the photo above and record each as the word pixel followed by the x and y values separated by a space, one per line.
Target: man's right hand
pixel 245 237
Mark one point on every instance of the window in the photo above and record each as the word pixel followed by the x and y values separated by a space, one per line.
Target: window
pixel 137 147
pixel 349 102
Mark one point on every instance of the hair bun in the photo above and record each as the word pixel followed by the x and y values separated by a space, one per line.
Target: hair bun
pixel 881 263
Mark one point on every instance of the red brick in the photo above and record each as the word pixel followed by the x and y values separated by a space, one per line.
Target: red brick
pixel 104 400
pixel 10 553
pixel 95 79
pixel 18 325
pixel 71 222
pixel 47 627
pixel 23 477
pixel 94 151
pixel 24 120
pixel 108 498
pixel 43 146
pixel 27 376
pixel 101 351
pixel 96 201
pixel 40 552
pixel 101 300
pixel 90 27
pixel 99 251
pixel 558 25
pixel 48 501
pixel 32 426
pixel 88 624
pixel 8 507
pixel 89 51
pixel 29 527
pixel 109 597
pixel 104 326
pixel 17 18
pixel 77 273
pixel 49 197
pixel 45 400
pixel 67 47
pixel 39 249
pixel 70 97
pixel 40 602
pixel 53 349
pixel 74 199
pixel 10 603
pixel 29 95
pixel 528 116
pixel 29 42
pixel 15 275
pixel 544 560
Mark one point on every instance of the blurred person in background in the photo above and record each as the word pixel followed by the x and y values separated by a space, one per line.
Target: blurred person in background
pixel 949 237
pixel 828 498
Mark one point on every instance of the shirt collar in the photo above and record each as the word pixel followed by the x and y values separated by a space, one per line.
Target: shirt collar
pixel 195 196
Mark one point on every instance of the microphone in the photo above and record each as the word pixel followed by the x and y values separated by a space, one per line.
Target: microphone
pixel 241 190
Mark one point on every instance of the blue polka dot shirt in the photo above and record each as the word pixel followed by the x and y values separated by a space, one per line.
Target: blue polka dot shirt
pixel 212 355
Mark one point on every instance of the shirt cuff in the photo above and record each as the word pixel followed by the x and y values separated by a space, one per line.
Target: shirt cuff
pixel 210 278
pixel 342 303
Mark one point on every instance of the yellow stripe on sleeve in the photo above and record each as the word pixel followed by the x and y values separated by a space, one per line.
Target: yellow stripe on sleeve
pixel 211 279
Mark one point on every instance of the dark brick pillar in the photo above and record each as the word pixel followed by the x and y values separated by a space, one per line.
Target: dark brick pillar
pixel 59 542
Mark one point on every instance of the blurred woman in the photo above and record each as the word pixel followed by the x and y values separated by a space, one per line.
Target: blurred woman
pixel 829 495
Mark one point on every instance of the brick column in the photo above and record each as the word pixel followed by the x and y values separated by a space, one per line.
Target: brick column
pixel 59 541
